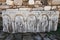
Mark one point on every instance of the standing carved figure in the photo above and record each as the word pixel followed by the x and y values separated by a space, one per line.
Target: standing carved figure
pixel 7 26
pixel 19 24
pixel 31 22
pixel 44 22
pixel 39 26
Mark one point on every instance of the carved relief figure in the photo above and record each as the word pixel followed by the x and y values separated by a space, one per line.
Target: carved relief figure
pixel 54 21
pixel 31 22
pixel 19 23
pixel 44 22
pixel 39 26
pixel 7 26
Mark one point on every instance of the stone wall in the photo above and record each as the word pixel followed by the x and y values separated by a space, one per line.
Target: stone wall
pixel 49 6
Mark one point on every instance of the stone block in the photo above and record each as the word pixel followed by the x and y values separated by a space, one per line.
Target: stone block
pixel 54 2
pixel 31 2
pixel 18 2
pixel 54 7
pixel 9 2
pixel 47 8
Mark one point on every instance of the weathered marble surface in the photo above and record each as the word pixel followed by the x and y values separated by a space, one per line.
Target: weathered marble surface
pixel 15 20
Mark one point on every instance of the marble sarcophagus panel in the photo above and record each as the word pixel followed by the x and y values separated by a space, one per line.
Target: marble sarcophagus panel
pixel 15 20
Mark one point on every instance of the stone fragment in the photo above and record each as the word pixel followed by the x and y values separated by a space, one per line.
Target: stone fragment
pixel 31 2
pixel 54 7
pixel 47 7
pixel 37 9
pixel 18 2
pixel 55 2
pixel 9 2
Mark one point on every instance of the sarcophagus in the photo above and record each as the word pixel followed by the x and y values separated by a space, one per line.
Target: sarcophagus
pixel 22 20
